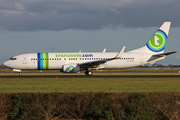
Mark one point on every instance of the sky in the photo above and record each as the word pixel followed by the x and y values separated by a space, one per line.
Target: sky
pixel 28 26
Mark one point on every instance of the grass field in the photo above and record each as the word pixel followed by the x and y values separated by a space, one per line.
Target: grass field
pixel 17 85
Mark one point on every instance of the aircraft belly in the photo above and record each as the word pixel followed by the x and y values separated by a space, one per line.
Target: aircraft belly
pixel 120 64
pixel 32 66
pixel 27 66
pixel 55 66
pixel 48 65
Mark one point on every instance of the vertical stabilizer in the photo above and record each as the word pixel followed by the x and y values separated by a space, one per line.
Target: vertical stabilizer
pixel 157 42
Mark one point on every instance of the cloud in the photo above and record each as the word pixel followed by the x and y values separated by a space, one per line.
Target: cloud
pixel 115 10
pixel 32 15
pixel 19 6
pixel 7 13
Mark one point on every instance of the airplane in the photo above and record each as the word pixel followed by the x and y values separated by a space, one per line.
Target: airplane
pixel 150 53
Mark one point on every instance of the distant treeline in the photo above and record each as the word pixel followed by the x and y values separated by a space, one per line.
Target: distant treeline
pixel 87 105
pixel 3 67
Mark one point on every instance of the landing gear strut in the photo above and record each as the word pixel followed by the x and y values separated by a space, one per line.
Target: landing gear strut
pixel 88 73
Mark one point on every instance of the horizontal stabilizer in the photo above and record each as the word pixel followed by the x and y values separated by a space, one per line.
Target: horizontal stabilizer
pixel 157 56
pixel 164 54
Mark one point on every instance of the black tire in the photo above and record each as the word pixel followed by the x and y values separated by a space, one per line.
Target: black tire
pixel 20 74
pixel 88 73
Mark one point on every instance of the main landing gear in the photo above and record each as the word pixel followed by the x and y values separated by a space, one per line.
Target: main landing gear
pixel 88 73
pixel 20 74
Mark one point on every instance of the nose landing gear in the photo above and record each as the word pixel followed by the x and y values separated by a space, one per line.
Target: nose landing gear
pixel 18 70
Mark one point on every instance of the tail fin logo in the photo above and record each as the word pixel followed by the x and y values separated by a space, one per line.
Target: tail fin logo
pixel 157 42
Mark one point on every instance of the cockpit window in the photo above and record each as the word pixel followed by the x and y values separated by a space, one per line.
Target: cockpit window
pixel 12 58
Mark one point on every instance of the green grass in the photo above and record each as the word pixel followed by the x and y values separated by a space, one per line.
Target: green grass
pixel 17 85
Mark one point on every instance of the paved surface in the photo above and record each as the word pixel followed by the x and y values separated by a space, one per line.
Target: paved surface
pixel 94 76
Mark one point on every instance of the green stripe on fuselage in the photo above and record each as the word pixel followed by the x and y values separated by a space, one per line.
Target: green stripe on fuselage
pixel 45 61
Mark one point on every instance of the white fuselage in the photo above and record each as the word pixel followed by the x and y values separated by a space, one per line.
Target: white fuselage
pixel 151 52
pixel 57 60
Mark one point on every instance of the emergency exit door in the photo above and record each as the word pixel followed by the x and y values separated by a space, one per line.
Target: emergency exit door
pixel 24 59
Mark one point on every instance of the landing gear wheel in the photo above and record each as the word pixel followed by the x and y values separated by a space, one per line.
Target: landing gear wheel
pixel 88 73
pixel 20 74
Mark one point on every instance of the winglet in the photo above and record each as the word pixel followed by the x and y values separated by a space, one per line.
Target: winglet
pixel 120 52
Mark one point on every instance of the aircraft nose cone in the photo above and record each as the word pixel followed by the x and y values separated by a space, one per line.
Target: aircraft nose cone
pixel 6 63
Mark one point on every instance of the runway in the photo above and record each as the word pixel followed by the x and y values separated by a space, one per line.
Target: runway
pixel 94 76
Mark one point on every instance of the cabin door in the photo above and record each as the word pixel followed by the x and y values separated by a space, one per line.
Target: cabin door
pixel 24 60
pixel 141 60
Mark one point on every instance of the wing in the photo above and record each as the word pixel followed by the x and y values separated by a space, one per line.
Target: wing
pixel 94 64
